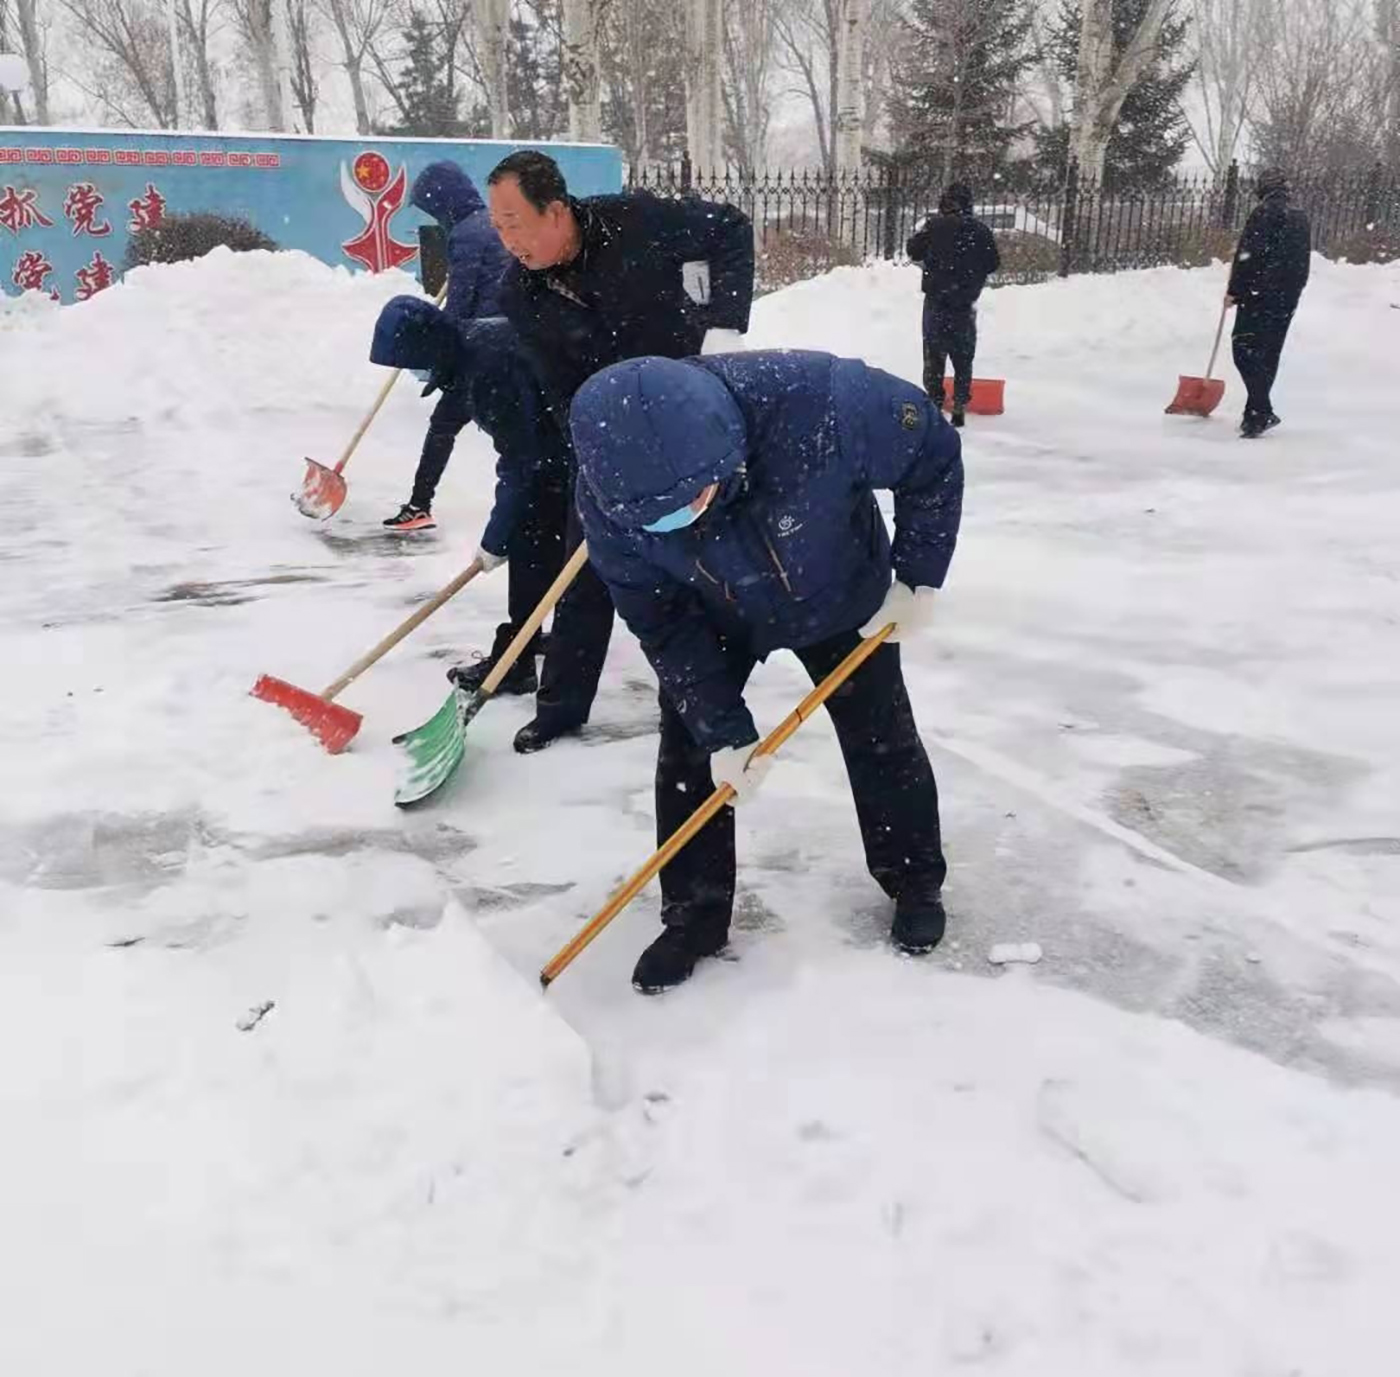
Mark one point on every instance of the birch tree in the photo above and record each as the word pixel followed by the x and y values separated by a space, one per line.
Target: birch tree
pixel 493 47
pixel 704 98
pixel 583 21
pixel 1231 37
pixel 1104 75
pixel 256 26
pixel 1388 37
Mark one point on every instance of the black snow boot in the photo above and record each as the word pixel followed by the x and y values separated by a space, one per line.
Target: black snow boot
pixel 919 922
pixel 670 960
pixel 1253 426
pixel 959 417
pixel 520 678
pixel 545 730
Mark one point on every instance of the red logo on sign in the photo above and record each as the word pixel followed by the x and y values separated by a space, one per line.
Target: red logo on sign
pixel 376 247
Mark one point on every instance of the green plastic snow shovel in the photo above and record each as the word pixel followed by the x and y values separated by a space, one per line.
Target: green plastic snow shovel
pixel 435 749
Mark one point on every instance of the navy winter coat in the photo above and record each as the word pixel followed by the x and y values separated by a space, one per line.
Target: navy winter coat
pixel 476 258
pixel 1274 256
pixel 484 361
pixel 958 254
pixel 624 296
pixel 793 548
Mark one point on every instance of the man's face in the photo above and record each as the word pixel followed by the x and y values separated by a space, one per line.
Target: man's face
pixel 538 238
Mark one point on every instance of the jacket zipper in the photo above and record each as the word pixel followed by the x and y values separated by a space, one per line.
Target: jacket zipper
pixel 777 563
pixel 728 595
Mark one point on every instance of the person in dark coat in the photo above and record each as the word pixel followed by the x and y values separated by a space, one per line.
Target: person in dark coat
pixel 729 506
pixel 958 254
pixel 1269 273
pixel 476 261
pixel 481 362
pixel 597 280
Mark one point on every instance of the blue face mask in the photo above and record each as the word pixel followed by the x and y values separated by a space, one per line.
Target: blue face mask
pixel 674 522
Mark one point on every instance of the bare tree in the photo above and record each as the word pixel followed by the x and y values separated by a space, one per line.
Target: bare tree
pixel 750 39
pixel 583 23
pixel 129 71
pixel 306 89
pixel 29 28
pixel 811 37
pixel 1318 111
pixel 493 47
pixel 196 24
pixel 704 99
pixel 450 23
pixel 1388 36
pixel 359 26
pixel 1049 101
pixel 1232 37
pixel 1105 76
pixel 255 22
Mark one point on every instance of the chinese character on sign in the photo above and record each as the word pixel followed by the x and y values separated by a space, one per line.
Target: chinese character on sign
pixel 146 211
pixel 31 268
pixel 19 210
pixel 94 278
pixel 80 209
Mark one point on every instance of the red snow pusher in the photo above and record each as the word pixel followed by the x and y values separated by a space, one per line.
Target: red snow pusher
pixel 333 725
pixel 1200 396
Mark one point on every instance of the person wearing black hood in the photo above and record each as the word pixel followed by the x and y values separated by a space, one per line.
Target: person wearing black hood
pixel 482 370
pixel 1267 279
pixel 958 254
pixel 476 261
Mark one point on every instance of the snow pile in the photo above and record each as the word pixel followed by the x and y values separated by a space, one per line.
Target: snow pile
pixel 278 1089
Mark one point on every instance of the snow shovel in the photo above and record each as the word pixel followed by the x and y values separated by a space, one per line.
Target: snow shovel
pixel 564 958
pixel 323 490
pixel 1200 396
pixel 988 396
pixel 435 749
pixel 335 726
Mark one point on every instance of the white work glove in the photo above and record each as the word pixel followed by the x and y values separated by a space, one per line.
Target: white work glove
pixel 738 767
pixel 489 562
pixel 910 609
pixel 718 341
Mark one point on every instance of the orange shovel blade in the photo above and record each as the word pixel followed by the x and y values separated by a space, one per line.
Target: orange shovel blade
pixel 988 396
pixel 332 725
pixel 322 492
pixel 1196 396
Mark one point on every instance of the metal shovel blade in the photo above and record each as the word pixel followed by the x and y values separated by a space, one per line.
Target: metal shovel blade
pixel 332 725
pixel 322 492
pixel 1196 396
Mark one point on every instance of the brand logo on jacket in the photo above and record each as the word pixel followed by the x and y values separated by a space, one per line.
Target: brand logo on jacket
pixel 909 416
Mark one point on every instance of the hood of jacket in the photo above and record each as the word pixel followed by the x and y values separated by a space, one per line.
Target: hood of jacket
pixel 651 434
pixel 445 192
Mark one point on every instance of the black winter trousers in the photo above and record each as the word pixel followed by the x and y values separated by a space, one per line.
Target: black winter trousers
pixel 1258 337
pixel 450 416
pixel 578 640
pixel 895 793
pixel 949 331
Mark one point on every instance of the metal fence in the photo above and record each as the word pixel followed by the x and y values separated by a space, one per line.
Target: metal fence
pixel 805 222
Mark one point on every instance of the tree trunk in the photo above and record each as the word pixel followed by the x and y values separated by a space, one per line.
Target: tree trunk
pixel 256 25
pixel 582 19
pixel 196 31
pixel 635 40
pixel 704 96
pixel 1102 83
pixel 32 40
pixel 850 18
pixel 493 20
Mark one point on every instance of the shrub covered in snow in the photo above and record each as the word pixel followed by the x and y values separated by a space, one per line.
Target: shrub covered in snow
pixel 178 238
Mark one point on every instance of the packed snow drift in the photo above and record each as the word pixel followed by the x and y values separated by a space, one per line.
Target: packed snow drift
pixel 279 1091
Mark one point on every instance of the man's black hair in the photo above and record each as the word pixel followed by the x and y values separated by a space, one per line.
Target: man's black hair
pixel 540 180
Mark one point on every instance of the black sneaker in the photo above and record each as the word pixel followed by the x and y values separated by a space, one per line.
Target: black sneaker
pixel 411 518
pixel 919 923
pixel 544 731
pixel 520 679
pixel 959 417
pixel 670 960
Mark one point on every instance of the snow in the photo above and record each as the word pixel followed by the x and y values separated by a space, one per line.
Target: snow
pixel 279 1091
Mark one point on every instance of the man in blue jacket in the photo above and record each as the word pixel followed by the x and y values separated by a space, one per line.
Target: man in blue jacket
pixel 958 253
pixel 476 261
pixel 481 366
pixel 729 505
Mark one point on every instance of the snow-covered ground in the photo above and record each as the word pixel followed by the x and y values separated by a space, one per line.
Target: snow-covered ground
pixel 1161 703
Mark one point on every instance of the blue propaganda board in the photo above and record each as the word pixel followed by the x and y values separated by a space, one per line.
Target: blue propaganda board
pixel 69 201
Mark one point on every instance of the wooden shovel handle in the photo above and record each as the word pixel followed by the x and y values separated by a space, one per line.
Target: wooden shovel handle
pixel 1219 331
pixel 678 839
pixel 411 624
pixel 378 402
pixel 526 634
